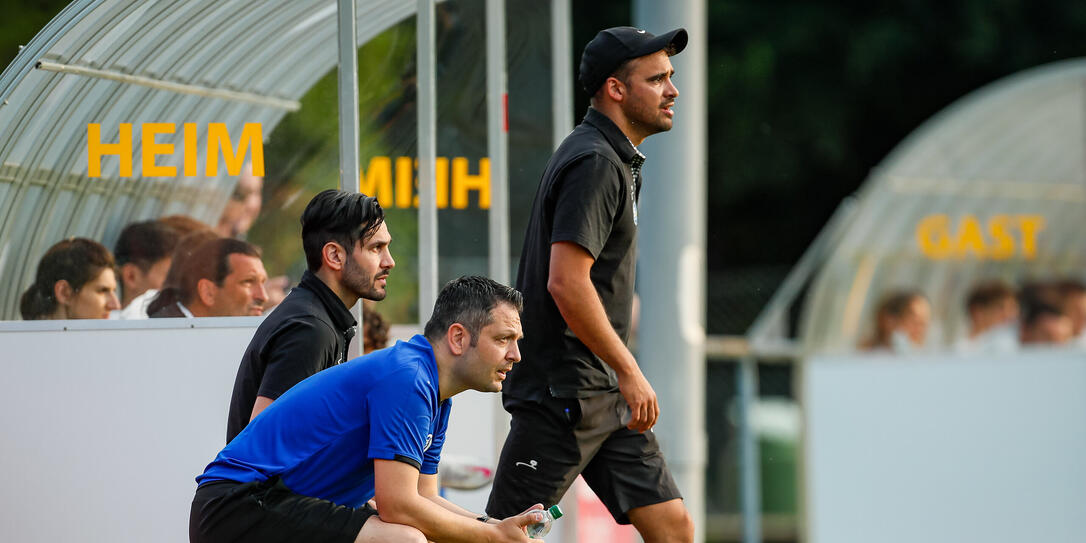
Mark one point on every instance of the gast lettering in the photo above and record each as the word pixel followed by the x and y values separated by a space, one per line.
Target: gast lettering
pixel 1001 237
pixel 217 139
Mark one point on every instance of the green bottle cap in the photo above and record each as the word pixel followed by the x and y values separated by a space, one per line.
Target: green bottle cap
pixel 555 511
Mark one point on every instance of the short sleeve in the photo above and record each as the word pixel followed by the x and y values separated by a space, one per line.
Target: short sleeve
pixel 401 418
pixel 590 194
pixel 298 350
pixel 432 456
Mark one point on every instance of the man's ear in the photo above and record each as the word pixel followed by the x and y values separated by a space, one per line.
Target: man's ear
pixel 206 291
pixel 458 339
pixel 333 256
pixel 63 291
pixel 615 89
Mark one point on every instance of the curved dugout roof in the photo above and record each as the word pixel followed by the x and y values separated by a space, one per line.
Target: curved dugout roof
pixel 994 186
pixel 265 54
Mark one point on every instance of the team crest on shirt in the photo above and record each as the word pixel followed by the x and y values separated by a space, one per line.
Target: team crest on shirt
pixel 429 441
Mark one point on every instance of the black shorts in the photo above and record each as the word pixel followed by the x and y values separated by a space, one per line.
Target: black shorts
pixel 268 512
pixel 551 442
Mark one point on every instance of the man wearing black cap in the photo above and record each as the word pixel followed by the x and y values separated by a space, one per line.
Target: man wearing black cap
pixel 579 402
pixel 345 240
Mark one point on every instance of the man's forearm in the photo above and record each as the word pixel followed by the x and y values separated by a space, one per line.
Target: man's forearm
pixel 436 520
pixel 453 507
pixel 581 308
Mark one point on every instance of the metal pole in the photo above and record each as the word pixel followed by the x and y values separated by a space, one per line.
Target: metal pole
pixel 426 79
pixel 497 140
pixel 750 492
pixel 561 70
pixel 671 265
pixel 348 124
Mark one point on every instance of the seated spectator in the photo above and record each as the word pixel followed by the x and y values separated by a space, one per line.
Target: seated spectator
pixel 143 251
pixel 171 287
pixel 1073 303
pixel 374 331
pixel 222 278
pixel 992 307
pixel 1043 324
pixel 74 281
pixel 243 206
pixel 901 323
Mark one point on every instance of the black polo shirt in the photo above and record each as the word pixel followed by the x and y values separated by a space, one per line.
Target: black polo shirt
pixel 588 196
pixel 307 332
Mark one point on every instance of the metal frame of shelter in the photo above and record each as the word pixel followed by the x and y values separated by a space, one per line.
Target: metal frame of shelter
pixel 230 62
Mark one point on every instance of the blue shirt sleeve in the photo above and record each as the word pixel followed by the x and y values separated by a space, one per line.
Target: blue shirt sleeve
pixel 432 455
pixel 401 417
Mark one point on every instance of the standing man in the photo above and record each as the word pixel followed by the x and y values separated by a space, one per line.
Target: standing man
pixel 374 426
pixel 579 402
pixel 346 250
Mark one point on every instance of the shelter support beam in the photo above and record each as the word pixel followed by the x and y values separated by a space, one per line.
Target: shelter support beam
pixel 671 266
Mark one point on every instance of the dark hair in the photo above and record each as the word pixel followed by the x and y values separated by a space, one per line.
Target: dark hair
pixel 1035 310
pixel 988 293
pixel 893 304
pixel 374 331
pixel 468 301
pixel 144 243
pixel 75 260
pixel 171 286
pixel 339 216
pixel 210 261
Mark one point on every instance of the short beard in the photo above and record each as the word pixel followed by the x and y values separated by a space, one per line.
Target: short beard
pixel 360 284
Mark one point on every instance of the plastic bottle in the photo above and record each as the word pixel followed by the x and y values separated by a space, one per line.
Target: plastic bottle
pixel 540 529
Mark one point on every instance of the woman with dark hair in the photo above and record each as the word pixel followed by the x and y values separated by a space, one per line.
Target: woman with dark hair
pixel 74 281
pixel 901 322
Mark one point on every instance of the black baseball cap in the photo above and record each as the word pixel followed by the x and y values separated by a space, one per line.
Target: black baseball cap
pixel 613 46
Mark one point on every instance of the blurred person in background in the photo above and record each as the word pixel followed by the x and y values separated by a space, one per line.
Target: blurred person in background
pixel 75 280
pixel 1043 323
pixel 222 278
pixel 902 319
pixel 1073 303
pixel 992 307
pixel 374 331
pixel 238 216
pixel 143 252
pixel 169 294
pixel 243 206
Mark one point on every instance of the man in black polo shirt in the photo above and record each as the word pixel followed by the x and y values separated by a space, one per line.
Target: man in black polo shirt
pixel 579 402
pixel 346 250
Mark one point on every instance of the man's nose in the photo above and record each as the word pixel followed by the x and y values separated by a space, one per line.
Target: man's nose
pixel 113 303
pixel 388 262
pixel 261 293
pixel 513 355
pixel 671 90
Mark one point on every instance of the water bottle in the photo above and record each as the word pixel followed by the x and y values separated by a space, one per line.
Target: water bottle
pixel 540 529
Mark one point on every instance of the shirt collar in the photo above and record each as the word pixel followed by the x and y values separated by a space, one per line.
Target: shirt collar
pixel 185 311
pixel 611 132
pixel 341 315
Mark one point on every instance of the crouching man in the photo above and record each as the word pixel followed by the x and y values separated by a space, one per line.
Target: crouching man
pixel 373 427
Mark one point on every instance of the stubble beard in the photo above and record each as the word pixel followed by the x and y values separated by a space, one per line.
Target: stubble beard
pixel 649 119
pixel 362 284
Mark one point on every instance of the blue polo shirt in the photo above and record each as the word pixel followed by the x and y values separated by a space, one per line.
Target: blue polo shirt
pixel 322 435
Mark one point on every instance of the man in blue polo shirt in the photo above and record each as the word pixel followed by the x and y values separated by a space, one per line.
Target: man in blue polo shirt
pixel 373 427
